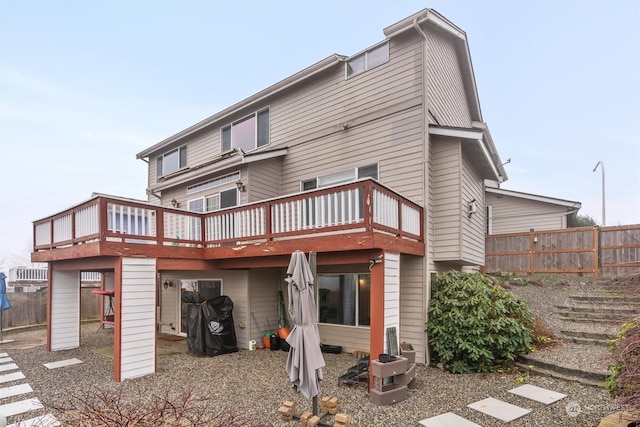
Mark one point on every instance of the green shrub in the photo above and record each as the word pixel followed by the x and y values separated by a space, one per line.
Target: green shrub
pixel 624 381
pixel 474 325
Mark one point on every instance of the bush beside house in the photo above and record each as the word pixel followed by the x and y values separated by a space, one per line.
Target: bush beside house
pixel 475 326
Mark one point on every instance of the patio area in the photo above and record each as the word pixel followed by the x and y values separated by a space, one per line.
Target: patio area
pixel 253 384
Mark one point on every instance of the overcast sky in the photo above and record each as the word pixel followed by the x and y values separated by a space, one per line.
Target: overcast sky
pixel 85 85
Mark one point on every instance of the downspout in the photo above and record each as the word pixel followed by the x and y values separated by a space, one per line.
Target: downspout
pixel 426 181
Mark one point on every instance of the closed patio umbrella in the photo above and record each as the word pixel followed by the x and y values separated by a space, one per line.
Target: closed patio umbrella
pixel 305 360
pixel 4 301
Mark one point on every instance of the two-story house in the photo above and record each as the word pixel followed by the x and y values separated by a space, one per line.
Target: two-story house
pixel 374 161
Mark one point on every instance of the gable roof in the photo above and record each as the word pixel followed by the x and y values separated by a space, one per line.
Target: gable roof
pixel 483 149
pixel 434 19
pixel 535 197
pixel 429 16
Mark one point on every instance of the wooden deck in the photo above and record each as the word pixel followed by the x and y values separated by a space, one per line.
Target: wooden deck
pixel 356 216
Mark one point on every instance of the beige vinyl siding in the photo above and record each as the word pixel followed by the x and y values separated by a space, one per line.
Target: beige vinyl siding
pixel 447 186
pixel 447 98
pixel 514 214
pixel 263 179
pixel 235 284
pixel 201 146
pixel 330 99
pixel 473 228
pixel 138 318
pixel 350 338
pixel 413 304
pixel 391 298
pixel 263 306
pixel 65 310
pixel 394 142
pixel 169 305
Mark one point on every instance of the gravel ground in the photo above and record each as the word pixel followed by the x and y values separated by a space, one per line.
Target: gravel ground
pixel 253 384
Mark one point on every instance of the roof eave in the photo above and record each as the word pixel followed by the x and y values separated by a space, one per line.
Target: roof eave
pixel 535 197
pixel 302 75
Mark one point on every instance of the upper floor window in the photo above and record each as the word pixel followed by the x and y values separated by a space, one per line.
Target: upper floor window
pixel 215 182
pixel 369 59
pixel 214 202
pixel 172 160
pixel 248 133
pixel 369 171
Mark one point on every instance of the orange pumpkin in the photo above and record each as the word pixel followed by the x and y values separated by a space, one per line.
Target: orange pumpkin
pixel 284 332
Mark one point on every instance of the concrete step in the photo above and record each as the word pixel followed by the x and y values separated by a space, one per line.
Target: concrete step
pixel 576 319
pixel 539 367
pixel 610 299
pixel 598 309
pixel 589 316
pixel 583 337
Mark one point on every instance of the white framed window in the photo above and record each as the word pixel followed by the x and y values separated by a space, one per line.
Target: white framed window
pixel 215 182
pixel 171 161
pixel 214 202
pixel 344 299
pixel 367 60
pixel 246 134
pixel 340 177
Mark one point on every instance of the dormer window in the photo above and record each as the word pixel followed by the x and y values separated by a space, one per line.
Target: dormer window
pixel 367 60
pixel 247 133
pixel 172 161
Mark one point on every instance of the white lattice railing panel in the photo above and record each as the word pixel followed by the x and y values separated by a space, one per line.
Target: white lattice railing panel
pixel 62 228
pixel 313 212
pixel 43 234
pixel 411 220
pixel 385 209
pixel 87 221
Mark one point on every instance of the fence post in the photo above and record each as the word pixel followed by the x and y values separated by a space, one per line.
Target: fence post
pixel 532 256
pixel 596 251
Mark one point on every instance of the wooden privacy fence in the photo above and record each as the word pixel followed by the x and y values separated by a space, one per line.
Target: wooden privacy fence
pixel 597 251
pixel 30 308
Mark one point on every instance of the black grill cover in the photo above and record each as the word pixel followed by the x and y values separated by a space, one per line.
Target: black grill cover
pixel 210 328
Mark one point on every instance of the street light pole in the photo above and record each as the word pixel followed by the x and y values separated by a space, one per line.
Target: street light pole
pixel 601 164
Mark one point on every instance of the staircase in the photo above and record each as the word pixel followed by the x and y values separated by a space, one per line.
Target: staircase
pixel 588 323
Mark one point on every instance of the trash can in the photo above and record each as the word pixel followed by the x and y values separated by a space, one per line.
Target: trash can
pixel 275 342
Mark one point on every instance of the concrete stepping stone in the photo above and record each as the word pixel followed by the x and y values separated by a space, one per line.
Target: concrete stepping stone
pixel 20 407
pixel 448 419
pixel 15 390
pixel 43 421
pixel 13 376
pixel 5 359
pixel 498 409
pixel 4 354
pixel 62 363
pixel 8 367
pixel 538 394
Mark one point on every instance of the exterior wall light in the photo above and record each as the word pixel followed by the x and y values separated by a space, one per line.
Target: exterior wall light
pixel 241 186
pixel 175 203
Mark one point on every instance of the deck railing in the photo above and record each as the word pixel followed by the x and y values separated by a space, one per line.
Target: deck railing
pixel 365 205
